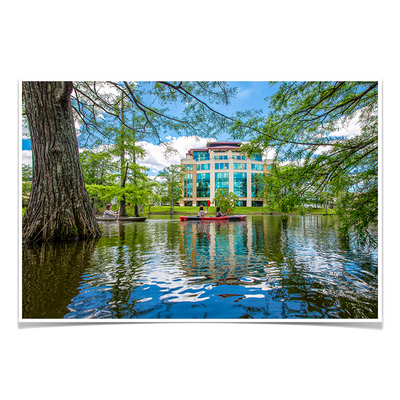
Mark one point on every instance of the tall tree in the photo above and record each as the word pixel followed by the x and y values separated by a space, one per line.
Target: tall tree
pixel 59 206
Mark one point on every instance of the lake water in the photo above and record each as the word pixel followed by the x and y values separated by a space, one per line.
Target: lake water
pixel 262 268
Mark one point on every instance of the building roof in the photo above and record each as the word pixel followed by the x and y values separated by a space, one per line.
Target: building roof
pixel 217 146
pixel 231 144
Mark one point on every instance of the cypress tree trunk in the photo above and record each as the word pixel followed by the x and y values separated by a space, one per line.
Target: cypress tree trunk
pixel 59 207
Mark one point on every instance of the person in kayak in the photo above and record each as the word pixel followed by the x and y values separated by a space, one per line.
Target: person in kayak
pixel 219 213
pixel 201 212
pixel 108 213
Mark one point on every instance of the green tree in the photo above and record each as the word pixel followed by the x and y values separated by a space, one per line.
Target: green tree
pixel 301 128
pixel 97 167
pixel 173 178
pixel 226 200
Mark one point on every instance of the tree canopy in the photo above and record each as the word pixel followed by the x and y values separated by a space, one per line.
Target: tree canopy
pixel 302 128
pixel 96 107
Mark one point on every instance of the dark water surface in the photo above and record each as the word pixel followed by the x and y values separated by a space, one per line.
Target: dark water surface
pixel 264 267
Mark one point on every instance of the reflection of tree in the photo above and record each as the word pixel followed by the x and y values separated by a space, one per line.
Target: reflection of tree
pixel 51 273
pixel 203 189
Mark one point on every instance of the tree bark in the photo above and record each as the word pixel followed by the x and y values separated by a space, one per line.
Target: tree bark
pixel 59 207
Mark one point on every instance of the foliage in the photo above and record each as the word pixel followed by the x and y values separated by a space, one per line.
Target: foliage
pixel 301 128
pixel 97 167
pixel 96 106
pixel 172 178
pixel 226 200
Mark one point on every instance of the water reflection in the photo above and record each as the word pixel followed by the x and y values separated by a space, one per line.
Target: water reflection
pixel 264 267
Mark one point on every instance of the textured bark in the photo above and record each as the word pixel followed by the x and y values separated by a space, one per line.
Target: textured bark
pixel 59 207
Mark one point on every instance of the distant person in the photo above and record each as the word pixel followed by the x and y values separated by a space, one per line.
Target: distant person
pixel 108 213
pixel 219 213
pixel 201 212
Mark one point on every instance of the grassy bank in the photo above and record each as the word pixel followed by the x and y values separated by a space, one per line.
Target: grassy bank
pixel 165 210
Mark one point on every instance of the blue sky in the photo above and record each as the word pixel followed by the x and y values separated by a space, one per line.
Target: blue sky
pixel 250 95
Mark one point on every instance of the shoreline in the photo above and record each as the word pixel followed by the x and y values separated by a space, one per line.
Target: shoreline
pixel 254 213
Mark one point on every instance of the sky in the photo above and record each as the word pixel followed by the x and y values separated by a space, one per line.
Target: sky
pixel 250 95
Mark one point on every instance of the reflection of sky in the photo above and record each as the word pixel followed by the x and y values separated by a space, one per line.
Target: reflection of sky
pixel 224 271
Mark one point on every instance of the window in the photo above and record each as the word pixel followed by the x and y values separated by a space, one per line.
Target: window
pixel 256 184
pixel 239 166
pixel 188 167
pixel 256 167
pixel 202 167
pixel 221 180
pixel 221 165
pixel 201 156
pixel 240 184
pixel 203 184
pixel 188 185
pixel 256 157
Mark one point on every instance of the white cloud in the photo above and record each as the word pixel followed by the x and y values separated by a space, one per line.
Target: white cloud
pixel 26 157
pixel 156 158
pixel 348 129
pixel 244 93
pixel 25 132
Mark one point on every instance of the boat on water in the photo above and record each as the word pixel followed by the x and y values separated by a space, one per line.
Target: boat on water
pixel 121 219
pixel 226 218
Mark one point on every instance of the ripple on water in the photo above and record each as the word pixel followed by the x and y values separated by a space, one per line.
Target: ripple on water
pixel 263 268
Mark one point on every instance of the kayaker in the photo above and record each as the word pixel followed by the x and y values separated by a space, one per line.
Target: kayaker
pixel 219 213
pixel 108 213
pixel 201 212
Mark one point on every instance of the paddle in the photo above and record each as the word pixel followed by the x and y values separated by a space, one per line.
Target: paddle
pixel 119 209
pixel 208 204
pixel 227 211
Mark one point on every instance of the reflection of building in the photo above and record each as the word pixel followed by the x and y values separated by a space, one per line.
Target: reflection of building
pixel 224 252
pixel 215 249
pixel 221 165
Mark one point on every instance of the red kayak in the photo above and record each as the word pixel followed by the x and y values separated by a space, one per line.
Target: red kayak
pixel 226 218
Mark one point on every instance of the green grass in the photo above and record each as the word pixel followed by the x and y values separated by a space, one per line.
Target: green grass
pixel 212 210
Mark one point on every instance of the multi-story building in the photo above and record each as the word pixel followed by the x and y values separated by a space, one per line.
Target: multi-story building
pixel 221 165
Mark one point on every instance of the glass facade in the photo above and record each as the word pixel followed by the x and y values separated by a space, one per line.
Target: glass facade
pixel 203 185
pixel 240 184
pixel 188 185
pixel 239 166
pixel 221 165
pixel 256 185
pixel 256 167
pixel 201 155
pixel 221 180
pixel 203 167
